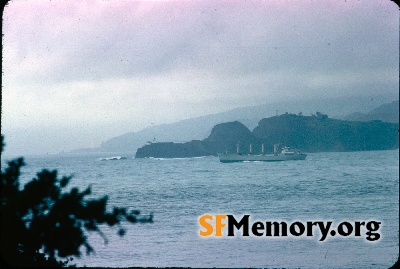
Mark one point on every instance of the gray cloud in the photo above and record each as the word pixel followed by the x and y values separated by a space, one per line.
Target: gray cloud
pixel 107 62
pixel 223 37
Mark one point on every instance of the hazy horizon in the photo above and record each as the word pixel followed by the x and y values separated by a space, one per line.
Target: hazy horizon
pixel 78 73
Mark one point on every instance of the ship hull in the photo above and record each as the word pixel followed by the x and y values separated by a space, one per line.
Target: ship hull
pixel 229 158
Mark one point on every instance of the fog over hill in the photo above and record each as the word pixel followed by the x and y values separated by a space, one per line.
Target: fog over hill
pixel 316 133
pixel 200 127
pixel 386 112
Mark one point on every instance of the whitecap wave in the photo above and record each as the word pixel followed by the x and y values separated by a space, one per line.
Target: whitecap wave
pixel 114 158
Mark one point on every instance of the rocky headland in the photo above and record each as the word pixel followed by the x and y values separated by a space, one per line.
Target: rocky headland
pixel 316 133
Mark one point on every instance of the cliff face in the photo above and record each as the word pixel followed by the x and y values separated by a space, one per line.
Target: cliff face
pixel 306 133
pixel 319 133
pixel 225 136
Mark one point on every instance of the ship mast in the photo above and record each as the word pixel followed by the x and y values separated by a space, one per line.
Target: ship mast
pixel 275 149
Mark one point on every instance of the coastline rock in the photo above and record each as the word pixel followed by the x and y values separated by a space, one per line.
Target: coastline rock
pixel 314 133
pixel 172 150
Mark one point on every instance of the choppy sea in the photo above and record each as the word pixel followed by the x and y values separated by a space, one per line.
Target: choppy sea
pixel 336 186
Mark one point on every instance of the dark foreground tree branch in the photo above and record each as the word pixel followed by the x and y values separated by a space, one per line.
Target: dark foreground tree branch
pixel 44 225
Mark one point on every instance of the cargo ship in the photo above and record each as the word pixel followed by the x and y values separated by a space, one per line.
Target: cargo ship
pixel 287 154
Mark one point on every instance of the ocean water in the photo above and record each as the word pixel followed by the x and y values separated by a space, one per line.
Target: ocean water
pixel 338 186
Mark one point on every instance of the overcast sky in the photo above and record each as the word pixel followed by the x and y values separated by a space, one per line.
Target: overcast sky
pixel 79 72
